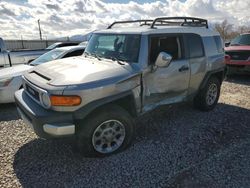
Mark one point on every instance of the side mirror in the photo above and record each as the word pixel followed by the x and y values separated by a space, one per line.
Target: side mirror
pixel 227 44
pixel 163 59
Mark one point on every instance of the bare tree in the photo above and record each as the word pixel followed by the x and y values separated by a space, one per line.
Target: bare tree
pixel 224 28
pixel 244 29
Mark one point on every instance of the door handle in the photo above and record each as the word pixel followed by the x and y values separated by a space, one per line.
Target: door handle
pixel 183 68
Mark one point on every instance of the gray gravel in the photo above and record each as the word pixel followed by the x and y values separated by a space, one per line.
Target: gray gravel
pixel 174 147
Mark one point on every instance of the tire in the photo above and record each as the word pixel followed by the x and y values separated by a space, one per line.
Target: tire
pixel 208 97
pixel 105 132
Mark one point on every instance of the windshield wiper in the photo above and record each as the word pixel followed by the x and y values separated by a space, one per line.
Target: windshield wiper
pixel 86 54
pixel 93 55
pixel 96 56
pixel 117 60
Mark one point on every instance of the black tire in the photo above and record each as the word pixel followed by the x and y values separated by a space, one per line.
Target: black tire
pixel 200 101
pixel 88 126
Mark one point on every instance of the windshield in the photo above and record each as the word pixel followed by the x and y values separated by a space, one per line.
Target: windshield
pixel 241 40
pixel 49 56
pixel 52 46
pixel 122 47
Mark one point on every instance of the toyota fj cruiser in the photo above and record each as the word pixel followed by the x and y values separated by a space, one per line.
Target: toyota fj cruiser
pixel 123 73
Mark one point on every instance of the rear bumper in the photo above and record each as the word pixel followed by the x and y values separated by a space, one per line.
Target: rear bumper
pixel 45 123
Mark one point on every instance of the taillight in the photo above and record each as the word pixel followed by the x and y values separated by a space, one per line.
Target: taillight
pixel 227 59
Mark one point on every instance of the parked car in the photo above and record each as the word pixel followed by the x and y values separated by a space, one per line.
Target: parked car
pixel 124 73
pixel 61 44
pixel 11 77
pixel 14 57
pixel 238 51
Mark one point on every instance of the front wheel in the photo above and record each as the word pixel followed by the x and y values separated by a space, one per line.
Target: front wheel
pixel 208 97
pixel 105 132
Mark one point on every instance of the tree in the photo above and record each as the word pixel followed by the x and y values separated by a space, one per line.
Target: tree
pixel 225 29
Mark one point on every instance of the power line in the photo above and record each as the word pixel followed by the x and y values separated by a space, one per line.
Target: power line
pixel 40 32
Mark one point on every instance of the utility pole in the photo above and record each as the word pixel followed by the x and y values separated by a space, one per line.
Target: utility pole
pixel 40 32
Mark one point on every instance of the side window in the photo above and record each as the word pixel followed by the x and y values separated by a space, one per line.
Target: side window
pixel 195 46
pixel 74 53
pixel 218 42
pixel 168 44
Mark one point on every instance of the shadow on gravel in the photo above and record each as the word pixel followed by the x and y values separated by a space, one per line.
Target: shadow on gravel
pixel 239 79
pixel 8 112
pixel 170 142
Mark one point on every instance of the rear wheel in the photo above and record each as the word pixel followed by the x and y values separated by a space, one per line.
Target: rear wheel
pixel 105 132
pixel 208 97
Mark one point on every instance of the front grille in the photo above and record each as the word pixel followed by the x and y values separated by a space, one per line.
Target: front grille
pixel 238 55
pixel 33 92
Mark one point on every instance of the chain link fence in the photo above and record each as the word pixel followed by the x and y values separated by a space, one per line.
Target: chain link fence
pixel 28 44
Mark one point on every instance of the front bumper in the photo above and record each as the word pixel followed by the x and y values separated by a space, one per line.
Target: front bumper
pixel 239 62
pixel 45 123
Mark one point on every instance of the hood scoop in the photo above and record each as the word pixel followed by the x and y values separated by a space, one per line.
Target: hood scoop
pixel 36 74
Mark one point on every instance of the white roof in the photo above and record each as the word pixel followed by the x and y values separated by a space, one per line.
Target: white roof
pixel 146 30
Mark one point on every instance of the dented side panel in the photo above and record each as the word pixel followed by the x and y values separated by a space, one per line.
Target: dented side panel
pixel 167 84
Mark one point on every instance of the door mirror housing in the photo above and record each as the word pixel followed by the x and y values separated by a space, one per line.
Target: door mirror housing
pixel 163 59
pixel 227 44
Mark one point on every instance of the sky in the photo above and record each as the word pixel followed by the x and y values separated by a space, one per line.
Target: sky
pixel 59 18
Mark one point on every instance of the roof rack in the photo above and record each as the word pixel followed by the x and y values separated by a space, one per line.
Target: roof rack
pixel 143 22
pixel 167 21
pixel 182 21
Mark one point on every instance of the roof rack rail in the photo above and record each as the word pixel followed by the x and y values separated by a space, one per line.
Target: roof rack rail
pixel 184 21
pixel 167 21
pixel 143 22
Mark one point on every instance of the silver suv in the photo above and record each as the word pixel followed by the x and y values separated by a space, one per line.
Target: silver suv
pixel 124 72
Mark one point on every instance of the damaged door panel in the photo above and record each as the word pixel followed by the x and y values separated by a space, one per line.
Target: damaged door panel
pixel 166 84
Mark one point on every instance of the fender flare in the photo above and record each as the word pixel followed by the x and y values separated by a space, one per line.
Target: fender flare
pixel 90 107
pixel 211 73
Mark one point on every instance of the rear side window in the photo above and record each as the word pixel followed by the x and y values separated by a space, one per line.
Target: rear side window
pixel 195 46
pixel 218 42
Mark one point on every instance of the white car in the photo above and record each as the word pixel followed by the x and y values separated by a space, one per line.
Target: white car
pixel 11 77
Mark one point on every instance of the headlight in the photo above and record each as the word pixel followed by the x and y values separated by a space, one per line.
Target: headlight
pixel 5 81
pixel 45 99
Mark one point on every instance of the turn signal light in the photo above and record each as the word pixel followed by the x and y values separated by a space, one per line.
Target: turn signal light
pixel 58 100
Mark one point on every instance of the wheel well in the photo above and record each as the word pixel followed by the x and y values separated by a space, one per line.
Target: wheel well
pixel 219 75
pixel 127 103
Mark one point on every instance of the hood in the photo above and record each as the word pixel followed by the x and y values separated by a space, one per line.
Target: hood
pixel 14 71
pixel 237 48
pixel 80 70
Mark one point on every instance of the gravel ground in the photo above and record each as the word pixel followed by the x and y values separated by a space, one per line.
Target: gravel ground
pixel 174 147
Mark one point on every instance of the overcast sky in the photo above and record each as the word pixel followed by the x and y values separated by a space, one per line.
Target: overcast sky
pixel 69 17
